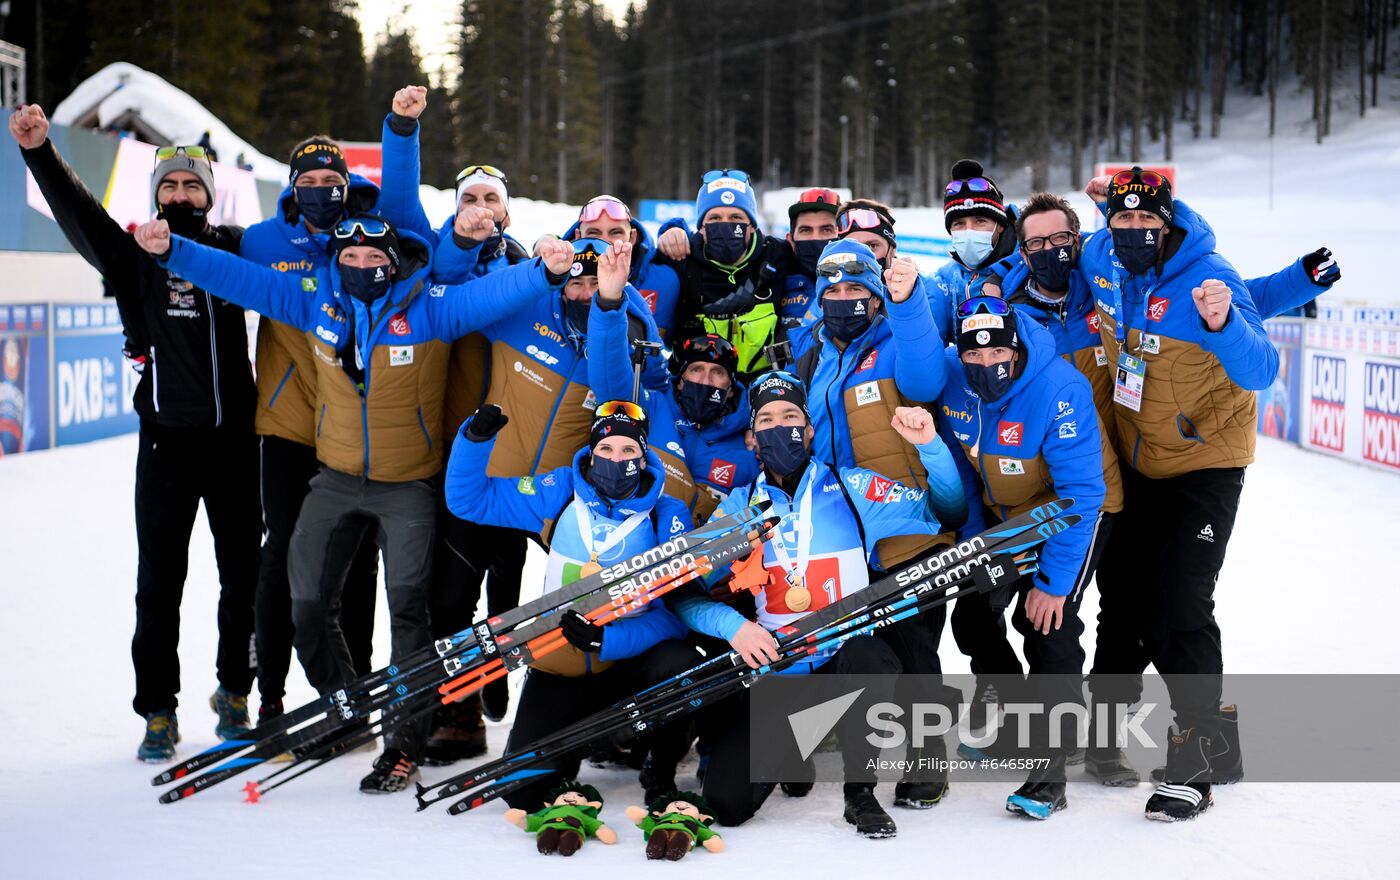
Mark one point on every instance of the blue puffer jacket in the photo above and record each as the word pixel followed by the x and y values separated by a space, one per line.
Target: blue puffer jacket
pixel 1040 441
pixel 656 278
pixel 713 457
pixel 841 505
pixel 1197 410
pixel 286 370
pixel 561 504
pixel 381 367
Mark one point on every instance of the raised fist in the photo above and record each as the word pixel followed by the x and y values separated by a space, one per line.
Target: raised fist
pixel 411 101
pixel 154 237
pixel 914 424
pixel 475 222
pixel 900 278
pixel 1213 302
pixel 558 256
pixel 29 126
pixel 1097 188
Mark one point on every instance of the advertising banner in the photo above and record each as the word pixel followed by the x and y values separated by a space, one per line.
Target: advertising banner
pixel 24 378
pixel 1352 406
pixel 1279 405
pixel 93 383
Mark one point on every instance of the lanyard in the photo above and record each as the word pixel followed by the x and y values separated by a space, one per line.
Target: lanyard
pixel 583 518
pixel 803 528
pixel 1120 327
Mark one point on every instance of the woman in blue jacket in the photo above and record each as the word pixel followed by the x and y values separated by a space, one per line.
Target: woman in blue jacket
pixel 605 507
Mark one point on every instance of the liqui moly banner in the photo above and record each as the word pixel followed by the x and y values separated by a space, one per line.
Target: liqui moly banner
pixel 1351 407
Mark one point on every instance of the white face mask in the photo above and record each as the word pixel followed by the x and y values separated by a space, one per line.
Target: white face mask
pixel 973 246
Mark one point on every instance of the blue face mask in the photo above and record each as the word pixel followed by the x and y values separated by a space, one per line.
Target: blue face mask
pixel 1137 249
pixel 365 284
pixel 989 382
pixel 321 206
pixel 1051 267
pixel 847 319
pixel 702 404
pixel 725 242
pixel 783 450
pixel 973 246
pixel 615 479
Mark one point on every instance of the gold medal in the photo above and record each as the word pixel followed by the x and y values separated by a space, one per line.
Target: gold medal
pixel 590 568
pixel 797 598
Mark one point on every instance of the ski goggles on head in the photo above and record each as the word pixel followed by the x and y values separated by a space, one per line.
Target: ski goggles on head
pixel 604 206
pixel 626 407
pixel 712 176
pixel 992 305
pixel 971 184
pixel 861 219
pixel 1151 178
pixel 366 226
pixel 817 197
pixel 488 170
pixel 193 152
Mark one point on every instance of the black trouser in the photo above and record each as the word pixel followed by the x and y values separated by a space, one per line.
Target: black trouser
pixel 287 469
pixel 468 554
pixel 1157 592
pixel 1056 658
pixel 980 633
pixel 551 702
pixel 406 519
pixel 176 468
pixel 729 786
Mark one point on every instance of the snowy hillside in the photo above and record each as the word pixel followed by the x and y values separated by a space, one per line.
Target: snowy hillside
pixel 75 803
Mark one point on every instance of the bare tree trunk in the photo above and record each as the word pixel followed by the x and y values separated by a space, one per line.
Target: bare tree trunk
pixel 1275 50
pixel 1076 147
pixel 1040 169
pixel 816 167
pixel 1198 71
pixel 1113 84
pixel 1362 16
pixel 1320 70
pixel 767 112
pixel 1139 81
pixel 1378 55
pixel 1096 130
pixel 1220 64
pixel 522 143
pixel 561 123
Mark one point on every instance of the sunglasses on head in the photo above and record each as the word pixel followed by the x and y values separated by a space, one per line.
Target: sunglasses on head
pixel 626 407
pixel 819 196
pixel 852 268
pixel 604 206
pixel 860 218
pixel 195 152
pixel 992 305
pixel 972 184
pixel 712 176
pixel 366 226
pixel 1151 178
pixel 488 170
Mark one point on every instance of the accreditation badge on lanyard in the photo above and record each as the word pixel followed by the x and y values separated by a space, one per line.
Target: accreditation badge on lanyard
pixel 1131 374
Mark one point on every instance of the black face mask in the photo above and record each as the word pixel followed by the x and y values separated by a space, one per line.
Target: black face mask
pixel 321 206
pixel 989 382
pixel 847 319
pixel 577 313
pixel 783 450
pixel 365 284
pixel 1137 249
pixel 185 220
pixel 701 404
pixel 615 479
pixel 1051 267
pixel 809 253
pixel 726 242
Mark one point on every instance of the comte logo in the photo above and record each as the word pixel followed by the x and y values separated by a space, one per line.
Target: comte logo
pixel 1380 422
pixel 1327 383
pixel 1009 433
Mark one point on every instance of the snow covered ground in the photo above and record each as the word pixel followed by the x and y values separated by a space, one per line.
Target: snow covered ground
pixel 74 802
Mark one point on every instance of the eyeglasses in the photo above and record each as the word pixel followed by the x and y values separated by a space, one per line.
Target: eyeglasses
pixel 626 407
pixel 369 227
pixel 1151 178
pixel 488 170
pixel 992 305
pixel 1041 242
pixel 852 267
pixel 604 205
pixel 195 152
pixel 712 176
pixel 819 196
pixel 972 184
pixel 860 218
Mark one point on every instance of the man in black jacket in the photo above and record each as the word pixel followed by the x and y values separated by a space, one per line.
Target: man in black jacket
pixel 195 400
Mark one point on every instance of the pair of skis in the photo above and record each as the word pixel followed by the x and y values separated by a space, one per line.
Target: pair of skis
pixel 456 666
pixel 990 562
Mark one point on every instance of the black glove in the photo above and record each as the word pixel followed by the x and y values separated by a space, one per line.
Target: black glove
pixel 485 424
pixel 1322 269
pixel 736 303
pixel 582 633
